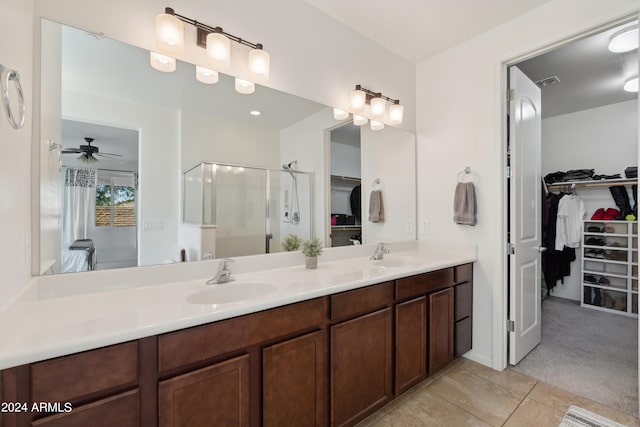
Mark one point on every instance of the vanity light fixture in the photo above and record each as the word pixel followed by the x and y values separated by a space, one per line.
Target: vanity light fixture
pixel 360 97
pixel 170 41
pixel 375 125
pixel 205 75
pixel 339 114
pixel 244 86
pixel 631 84
pixel 624 40
pixel 359 120
pixel 255 112
pixel 163 63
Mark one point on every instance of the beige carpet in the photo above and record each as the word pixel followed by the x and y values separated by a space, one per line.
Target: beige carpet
pixel 587 352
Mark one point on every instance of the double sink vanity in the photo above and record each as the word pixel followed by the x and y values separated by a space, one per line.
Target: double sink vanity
pixel 277 346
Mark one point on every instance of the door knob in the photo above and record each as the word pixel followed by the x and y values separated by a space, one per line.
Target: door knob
pixel 540 248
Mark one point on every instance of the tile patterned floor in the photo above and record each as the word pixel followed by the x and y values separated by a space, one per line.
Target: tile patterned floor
pixel 466 393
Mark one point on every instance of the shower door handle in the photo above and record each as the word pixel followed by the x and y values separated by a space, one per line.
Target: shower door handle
pixel 268 238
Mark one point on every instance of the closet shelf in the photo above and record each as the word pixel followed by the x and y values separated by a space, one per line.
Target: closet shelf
pixel 345 178
pixel 346 228
pixel 593 183
pixel 603 273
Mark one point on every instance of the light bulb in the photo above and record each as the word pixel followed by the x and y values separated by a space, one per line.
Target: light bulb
pixel 357 100
pixel 631 84
pixel 169 34
pixel 378 108
pixel 359 120
pixel 205 75
pixel 162 63
pixel 624 40
pixel 375 125
pixel 219 51
pixel 244 86
pixel 396 113
pixel 259 64
pixel 340 114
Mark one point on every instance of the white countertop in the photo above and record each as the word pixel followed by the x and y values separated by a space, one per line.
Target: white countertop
pixel 66 314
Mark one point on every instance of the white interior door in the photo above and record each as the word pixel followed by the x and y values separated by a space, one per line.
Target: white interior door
pixel 525 217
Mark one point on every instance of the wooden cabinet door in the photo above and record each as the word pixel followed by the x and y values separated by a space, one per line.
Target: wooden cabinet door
pixel 217 395
pixel 294 378
pixel 440 329
pixel 361 370
pixel 411 343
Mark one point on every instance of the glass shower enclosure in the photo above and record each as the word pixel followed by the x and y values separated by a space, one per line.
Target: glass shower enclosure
pixel 251 209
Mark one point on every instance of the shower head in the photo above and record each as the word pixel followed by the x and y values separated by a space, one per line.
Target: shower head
pixel 289 165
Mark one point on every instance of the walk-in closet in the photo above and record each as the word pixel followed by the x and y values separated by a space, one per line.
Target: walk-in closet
pixel 589 222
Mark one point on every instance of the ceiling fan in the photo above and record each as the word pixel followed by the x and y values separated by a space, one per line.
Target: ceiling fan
pixel 89 152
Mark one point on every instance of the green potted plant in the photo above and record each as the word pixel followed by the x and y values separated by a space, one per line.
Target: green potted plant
pixel 291 243
pixel 311 249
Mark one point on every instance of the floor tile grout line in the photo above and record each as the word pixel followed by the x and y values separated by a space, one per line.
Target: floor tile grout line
pixel 520 404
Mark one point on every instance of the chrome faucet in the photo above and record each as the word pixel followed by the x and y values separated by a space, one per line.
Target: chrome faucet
pixel 224 273
pixel 380 252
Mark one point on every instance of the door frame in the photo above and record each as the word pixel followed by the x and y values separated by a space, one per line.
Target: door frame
pixel 501 312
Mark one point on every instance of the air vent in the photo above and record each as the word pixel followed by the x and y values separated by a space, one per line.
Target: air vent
pixel 548 81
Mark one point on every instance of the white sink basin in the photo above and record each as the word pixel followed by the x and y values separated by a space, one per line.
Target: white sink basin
pixel 398 261
pixel 231 292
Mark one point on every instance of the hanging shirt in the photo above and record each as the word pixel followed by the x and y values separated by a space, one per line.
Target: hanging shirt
pixel 569 223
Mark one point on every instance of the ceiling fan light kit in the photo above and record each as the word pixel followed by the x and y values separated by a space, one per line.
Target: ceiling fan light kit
pixel 89 152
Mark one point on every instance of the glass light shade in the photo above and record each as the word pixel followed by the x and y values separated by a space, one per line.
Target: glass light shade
pixel 162 63
pixel 631 84
pixel 357 101
pixel 244 86
pixel 218 51
pixel 259 64
pixel 359 120
pixel 205 75
pixel 378 108
pixel 169 34
pixel 396 114
pixel 375 125
pixel 340 114
pixel 624 40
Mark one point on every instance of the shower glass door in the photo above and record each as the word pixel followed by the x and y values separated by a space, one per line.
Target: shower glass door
pixel 241 208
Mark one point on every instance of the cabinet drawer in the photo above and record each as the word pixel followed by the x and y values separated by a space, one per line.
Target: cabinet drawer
pixel 70 377
pixel 360 301
pixel 181 348
pixel 463 300
pixel 464 273
pixel 463 335
pixel 423 283
pixel 120 410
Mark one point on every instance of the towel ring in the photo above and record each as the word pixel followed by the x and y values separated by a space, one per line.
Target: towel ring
pixel 464 172
pixel 375 185
pixel 7 76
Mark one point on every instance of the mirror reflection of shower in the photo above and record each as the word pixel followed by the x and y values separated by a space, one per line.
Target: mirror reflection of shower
pixel 292 206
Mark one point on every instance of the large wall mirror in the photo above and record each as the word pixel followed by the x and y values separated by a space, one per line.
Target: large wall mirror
pixel 146 167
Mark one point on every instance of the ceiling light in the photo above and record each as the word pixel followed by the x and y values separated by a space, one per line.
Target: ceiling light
pixel 378 108
pixel 244 86
pixel 340 114
pixel 359 120
pixel 169 33
pixel 206 75
pixel 357 100
pixel 259 63
pixel 624 40
pixel 255 112
pixel 162 63
pixel 375 125
pixel 631 84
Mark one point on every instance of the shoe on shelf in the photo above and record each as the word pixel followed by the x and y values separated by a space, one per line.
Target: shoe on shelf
pixel 594 241
pixel 598 214
pixel 603 281
pixel 589 278
pixel 611 214
pixel 595 229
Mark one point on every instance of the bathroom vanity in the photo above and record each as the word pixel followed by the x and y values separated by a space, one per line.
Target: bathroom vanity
pixel 331 359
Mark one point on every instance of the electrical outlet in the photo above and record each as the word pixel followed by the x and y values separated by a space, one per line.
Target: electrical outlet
pixel 409 227
pixel 152 225
pixel 425 227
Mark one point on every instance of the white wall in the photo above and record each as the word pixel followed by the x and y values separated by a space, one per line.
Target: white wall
pixel 460 106
pixel 388 155
pixel 345 160
pixel 16 41
pixel 159 186
pixel 604 139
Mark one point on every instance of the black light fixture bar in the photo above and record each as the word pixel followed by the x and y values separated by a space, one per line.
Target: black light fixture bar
pixel 204 30
pixel 371 94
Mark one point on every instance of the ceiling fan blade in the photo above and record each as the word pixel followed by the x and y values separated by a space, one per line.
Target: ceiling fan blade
pixel 71 150
pixel 109 154
pixel 108 157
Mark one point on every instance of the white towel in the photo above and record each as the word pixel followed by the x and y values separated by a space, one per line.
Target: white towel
pixel 464 204
pixel 376 209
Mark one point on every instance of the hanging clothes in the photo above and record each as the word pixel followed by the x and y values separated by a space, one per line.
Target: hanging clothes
pixel 556 264
pixel 569 222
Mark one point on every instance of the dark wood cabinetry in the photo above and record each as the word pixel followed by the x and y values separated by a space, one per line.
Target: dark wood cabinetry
pixel 331 360
pixel 217 395
pixel 294 382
